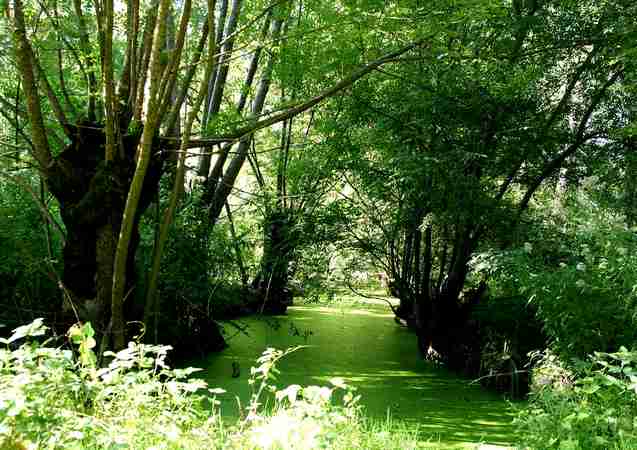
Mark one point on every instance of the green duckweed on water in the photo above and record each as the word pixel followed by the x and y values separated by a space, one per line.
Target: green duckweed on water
pixel 362 344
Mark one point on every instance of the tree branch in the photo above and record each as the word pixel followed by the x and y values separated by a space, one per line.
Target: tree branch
pixel 25 58
pixel 85 48
pixel 291 112
pixel 172 143
pixel 173 116
pixel 580 138
pixel 53 99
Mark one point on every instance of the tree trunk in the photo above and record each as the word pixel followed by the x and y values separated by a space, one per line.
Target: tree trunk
pixel 423 310
pixel 218 87
pixel 151 308
pixel 91 194
pixel 449 330
pixel 134 193
pixel 271 283
pixel 224 187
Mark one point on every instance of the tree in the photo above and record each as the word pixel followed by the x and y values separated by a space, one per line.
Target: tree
pixel 102 160
pixel 295 183
pixel 466 136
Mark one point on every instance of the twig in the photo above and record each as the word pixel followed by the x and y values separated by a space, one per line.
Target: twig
pixel 501 374
pixel 45 211
pixel 393 308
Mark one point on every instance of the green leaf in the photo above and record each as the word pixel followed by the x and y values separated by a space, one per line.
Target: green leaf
pixel 35 328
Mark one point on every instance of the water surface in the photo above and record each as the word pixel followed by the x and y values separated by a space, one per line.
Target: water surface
pixel 363 345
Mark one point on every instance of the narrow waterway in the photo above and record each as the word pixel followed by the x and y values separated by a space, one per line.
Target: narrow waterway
pixel 363 345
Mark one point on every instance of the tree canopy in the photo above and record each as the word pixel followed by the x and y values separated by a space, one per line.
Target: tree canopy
pixel 183 151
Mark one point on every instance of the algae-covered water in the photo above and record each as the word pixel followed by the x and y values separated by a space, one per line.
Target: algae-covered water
pixel 362 344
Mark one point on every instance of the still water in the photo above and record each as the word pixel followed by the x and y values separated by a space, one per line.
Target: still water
pixel 362 344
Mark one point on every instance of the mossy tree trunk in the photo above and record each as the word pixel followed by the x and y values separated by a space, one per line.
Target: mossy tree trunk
pixel 92 193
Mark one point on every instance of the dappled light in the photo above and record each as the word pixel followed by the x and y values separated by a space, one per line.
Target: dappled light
pixel 383 224
pixel 377 357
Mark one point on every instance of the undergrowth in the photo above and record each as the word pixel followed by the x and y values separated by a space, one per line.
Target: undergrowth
pixel 60 398
pixel 586 405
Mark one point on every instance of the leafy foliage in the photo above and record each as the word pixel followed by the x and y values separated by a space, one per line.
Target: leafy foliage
pixel 592 408
pixel 580 275
pixel 56 398
pixel 25 264
pixel 59 398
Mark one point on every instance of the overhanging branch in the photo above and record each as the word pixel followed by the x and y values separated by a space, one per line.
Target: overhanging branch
pixel 171 143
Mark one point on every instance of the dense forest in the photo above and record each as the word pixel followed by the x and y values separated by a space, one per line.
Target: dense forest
pixel 169 168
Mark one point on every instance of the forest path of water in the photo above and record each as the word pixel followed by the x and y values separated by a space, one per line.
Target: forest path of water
pixel 363 345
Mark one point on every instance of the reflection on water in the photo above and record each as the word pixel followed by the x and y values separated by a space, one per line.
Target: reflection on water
pixel 379 358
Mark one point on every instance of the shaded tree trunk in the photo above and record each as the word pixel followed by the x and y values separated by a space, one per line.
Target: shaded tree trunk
pixel 423 308
pixel 91 194
pixel 271 283
pixel 217 82
pixel 434 302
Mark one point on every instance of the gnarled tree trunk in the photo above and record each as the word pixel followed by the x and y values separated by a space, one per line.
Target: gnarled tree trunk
pixel 91 193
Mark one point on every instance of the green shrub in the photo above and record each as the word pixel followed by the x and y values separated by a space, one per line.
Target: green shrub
pixel 199 281
pixel 588 304
pixel 593 406
pixel 580 275
pixel 54 398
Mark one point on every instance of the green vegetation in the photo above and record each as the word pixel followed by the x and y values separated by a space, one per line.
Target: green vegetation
pixel 357 342
pixel 227 176
pixel 592 405
pixel 55 398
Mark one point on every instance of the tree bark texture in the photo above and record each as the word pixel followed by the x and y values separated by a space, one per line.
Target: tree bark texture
pixel 92 193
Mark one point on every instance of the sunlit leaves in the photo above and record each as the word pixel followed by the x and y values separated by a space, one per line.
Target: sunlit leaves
pixel 591 406
pixel 34 329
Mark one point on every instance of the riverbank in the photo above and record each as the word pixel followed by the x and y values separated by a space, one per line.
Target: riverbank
pixel 53 398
